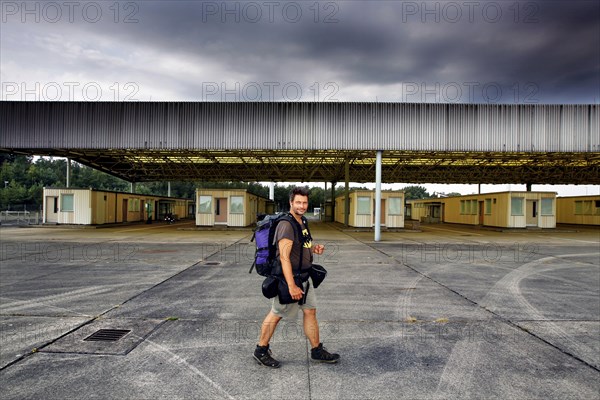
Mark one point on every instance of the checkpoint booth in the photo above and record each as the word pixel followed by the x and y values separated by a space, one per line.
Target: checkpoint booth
pixel 580 210
pixel 230 207
pixel 97 207
pixel 362 208
pixel 502 209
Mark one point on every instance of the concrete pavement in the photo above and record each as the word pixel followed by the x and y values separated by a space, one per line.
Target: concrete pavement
pixel 449 312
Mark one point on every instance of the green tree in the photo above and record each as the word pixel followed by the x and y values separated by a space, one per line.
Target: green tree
pixel 315 198
pixel 282 197
pixel 415 192
pixel 15 182
pixel 14 196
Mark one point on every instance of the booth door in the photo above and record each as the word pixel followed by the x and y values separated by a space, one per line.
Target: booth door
pixel 221 211
pixel 532 213
pixel 51 209
pixel 125 209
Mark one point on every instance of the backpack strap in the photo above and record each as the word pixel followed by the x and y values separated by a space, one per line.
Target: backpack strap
pixel 256 251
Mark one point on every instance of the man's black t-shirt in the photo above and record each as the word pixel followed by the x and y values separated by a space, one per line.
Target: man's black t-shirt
pixel 285 230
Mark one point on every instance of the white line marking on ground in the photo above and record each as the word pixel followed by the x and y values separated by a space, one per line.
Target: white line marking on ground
pixel 181 361
pixel 461 365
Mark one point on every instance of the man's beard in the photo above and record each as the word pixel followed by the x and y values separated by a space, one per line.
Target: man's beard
pixel 296 211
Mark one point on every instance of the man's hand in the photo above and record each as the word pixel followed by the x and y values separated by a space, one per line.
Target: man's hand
pixel 318 249
pixel 296 292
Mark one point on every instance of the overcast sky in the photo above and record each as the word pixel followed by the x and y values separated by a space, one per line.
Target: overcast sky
pixel 399 51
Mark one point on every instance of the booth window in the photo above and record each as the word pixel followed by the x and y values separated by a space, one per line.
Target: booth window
pixel 547 207
pixel 583 207
pixel 468 207
pixel 237 205
pixel 364 205
pixel 134 205
pixel 66 202
pixel 516 206
pixel 474 207
pixel 578 207
pixel 395 206
pixel 205 205
pixel 488 206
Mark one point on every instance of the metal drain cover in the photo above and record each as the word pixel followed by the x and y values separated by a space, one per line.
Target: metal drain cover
pixel 212 263
pixel 107 335
pixel 110 336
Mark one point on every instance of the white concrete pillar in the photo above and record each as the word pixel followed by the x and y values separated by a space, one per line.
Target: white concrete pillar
pixel 68 172
pixel 347 194
pixel 378 196
pixel 323 213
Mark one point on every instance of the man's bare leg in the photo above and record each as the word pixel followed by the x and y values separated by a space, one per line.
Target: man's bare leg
pixel 311 327
pixel 268 328
pixel 311 330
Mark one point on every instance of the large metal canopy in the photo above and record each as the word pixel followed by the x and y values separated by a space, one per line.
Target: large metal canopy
pixel 330 166
pixel 275 141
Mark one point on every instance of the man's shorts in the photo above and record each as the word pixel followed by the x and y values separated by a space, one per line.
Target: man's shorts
pixel 290 311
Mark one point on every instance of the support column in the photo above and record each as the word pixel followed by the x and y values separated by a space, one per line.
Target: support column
pixel 378 196
pixel 324 209
pixel 528 187
pixel 169 189
pixel 272 191
pixel 347 193
pixel 333 201
pixel 68 172
pixel 132 187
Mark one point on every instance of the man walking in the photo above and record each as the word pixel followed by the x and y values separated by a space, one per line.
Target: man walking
pixel 289 255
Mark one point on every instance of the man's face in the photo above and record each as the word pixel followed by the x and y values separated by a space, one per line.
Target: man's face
pixel 299 205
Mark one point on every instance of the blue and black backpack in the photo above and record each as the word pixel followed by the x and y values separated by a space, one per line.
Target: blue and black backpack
pixel 265 259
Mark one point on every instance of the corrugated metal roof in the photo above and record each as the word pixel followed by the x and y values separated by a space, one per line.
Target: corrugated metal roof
pixel 300 126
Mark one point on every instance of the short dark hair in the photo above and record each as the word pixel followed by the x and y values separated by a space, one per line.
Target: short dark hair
pixel 298 190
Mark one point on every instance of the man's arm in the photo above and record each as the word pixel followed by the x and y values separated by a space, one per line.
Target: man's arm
pixel 285 249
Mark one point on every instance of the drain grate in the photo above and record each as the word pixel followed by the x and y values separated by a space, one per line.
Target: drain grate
pixel 212 263
pixel 107 335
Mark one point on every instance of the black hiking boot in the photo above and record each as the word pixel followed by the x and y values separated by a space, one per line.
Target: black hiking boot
pixel 320 354
pixel 263 356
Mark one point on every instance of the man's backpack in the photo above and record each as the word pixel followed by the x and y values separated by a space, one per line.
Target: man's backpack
pixel 265 257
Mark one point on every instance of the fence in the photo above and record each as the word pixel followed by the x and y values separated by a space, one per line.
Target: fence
pixel 20 217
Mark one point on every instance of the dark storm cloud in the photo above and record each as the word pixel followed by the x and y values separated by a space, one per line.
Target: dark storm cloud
pixel 389 51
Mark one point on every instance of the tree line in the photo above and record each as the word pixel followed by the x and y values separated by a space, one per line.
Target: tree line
pixel 22 179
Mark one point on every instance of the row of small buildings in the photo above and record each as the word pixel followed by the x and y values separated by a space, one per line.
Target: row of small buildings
pixel 512 209
pixel 239 208
pixel 98 207
pixel 508 210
